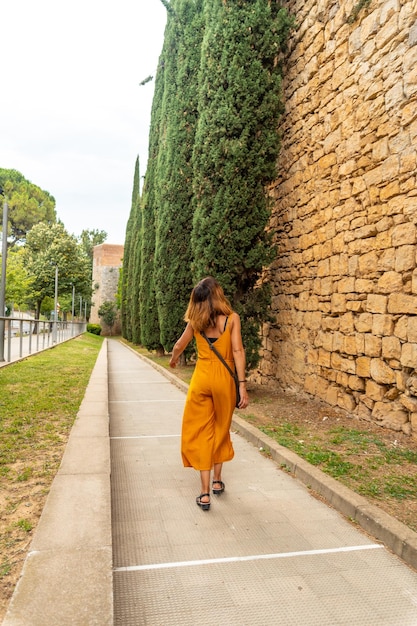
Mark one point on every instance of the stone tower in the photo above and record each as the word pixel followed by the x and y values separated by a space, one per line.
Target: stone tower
pixel 107 261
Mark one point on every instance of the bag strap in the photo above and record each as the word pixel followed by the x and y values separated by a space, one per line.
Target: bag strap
pixel 217 353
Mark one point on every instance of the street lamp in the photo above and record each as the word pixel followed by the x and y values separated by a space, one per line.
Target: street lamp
pixel 72 309
pixel 3 278
pixel 55 325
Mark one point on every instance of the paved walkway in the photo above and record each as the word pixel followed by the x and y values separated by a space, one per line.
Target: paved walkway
pixel 267 552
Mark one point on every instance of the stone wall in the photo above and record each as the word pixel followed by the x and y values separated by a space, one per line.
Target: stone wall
pixel 345 213
pixel 107 261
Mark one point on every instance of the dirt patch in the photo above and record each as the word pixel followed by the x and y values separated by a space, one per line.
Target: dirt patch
pixel 20 510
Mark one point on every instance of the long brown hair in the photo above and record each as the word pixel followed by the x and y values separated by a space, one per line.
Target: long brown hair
pixel 207 301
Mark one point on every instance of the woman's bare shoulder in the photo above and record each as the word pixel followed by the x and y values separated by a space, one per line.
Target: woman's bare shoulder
pixel 234 319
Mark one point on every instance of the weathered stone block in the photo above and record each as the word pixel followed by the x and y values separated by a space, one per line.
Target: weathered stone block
pixel 405 259
pixel 390 415
pixel 356 383
pixel 332 395
pixel 391 348
pixel 349 346
pixel 381 372
pixel 338 303
pixel 409 403
pixel 346 402
pixel 363 412
pixel 414 282
pixel 373 345
pixel 409 355
pixel 402 303
pixel 400 329
pixel 376 303
pixel 412 330
pixel 363 367
pixel 374 391
pixel 321 387
pixel 389 282
pixel 386 261
pixel 346 285
pixel 368 262
pixel 363 322
pixel 364 285
pixel 382 325
pixel 404 234
pixel 343 364
pixel 323 358
pixel 346 323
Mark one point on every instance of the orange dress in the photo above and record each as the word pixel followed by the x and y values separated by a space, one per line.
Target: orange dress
pixel 209 406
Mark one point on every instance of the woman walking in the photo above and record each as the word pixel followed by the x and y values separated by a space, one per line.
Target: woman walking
pixel 211 398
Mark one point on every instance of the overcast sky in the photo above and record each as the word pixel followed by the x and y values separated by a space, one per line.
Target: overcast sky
pixel 73 116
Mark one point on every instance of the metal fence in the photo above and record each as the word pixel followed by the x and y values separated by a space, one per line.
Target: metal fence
pixel 25 336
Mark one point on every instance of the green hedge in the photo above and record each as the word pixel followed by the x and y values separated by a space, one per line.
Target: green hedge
pixel 95 329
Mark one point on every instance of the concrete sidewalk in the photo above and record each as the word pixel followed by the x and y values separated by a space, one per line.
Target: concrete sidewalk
pixel 267 552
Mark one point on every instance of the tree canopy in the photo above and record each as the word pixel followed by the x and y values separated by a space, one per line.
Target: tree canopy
pixel 48 247
pixel 28 204
pixel 213 148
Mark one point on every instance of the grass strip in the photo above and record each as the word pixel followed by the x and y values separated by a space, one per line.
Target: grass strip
pixel 39 401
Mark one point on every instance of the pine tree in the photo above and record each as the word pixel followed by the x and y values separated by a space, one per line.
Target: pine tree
pixel 235 152
pixel 173 255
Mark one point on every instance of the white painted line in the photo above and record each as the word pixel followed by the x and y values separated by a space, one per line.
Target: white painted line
pixel 237 559
pixel 142 382
pixel 146 437
pixel 143 401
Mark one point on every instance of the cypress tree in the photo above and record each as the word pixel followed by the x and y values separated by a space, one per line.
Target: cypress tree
pixel 148 313
pixel 128 284
pixel 235 153
pixel 136 262
pixel 173 255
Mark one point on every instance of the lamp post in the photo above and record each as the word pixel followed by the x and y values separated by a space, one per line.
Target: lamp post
pixel 3 278
pixel 72 309
pixel 55 325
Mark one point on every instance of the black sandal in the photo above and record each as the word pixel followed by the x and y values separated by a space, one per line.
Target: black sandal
pixel 217 492
pixel 204 505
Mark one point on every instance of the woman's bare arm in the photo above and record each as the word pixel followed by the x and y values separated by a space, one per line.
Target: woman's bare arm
pixel 181 344
pixel 239 358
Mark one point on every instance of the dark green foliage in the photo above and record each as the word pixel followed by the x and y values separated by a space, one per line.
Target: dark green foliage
pixel 95 329
pixel 353 16
pixel 28 204
pixel 173 255
pixel 149 323
pixel 146 80
pixel 213 149
pixel 89 239
pixel 130 283
pixel 168 7
pixel 135 265
pixel 235 154
pixel 108 313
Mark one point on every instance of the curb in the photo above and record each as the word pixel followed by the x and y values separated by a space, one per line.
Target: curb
pixel 395 535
